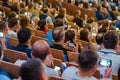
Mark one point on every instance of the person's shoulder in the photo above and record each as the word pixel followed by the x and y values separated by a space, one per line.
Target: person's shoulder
pixel 51 71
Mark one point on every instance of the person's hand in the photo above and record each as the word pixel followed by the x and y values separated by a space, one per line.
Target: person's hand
pixel 108 72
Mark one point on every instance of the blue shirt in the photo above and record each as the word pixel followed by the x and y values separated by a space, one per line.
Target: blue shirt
pixel 4 75
pixel 100 15
pixel 49 37
pixel 22 48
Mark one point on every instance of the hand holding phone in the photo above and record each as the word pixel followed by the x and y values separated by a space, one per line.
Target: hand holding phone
pixel 105 62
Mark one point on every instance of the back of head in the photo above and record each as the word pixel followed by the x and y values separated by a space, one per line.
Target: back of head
pixel 58 23
pixel 99 38
pixel 91 46
pixel 40 49
pixel 69 35
pixel 24 35
pixel 31 70
pixel 24 21
pixel 58 33
pixel 84 34
pixel 2 25
pixel 87 60
pixel 110 40
pixel 12 22
pixel 78 21
pixel 12 14
pixel 41 24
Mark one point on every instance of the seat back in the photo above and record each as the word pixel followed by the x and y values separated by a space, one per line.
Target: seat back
pixel 56 78
pixel 36 38
pixel 11 68
pixel 72 56
pixel 83 43
pixel 57 54
pixel 13 41
pixel 38 33
pixel 69 64
pixel 114 77
pixel 14 55
pixel 72 9
pixel 7 10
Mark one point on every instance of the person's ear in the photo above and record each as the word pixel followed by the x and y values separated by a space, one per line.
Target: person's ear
pixel 116 46
pixel 94 68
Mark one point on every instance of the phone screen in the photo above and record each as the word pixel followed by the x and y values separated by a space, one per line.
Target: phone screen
pixel 56 68
pixel 1 35
pixel 71 44
pixel 105 62
pixel 94 34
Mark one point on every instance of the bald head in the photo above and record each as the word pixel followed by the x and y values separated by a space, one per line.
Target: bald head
pixel 40 49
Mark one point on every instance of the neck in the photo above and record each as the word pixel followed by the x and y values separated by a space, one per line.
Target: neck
pixel 85 74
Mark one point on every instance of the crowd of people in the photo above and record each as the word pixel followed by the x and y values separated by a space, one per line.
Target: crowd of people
pixel 100 33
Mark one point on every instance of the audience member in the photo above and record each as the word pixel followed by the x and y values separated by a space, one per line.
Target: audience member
pixel 57 23
pixel 99 40
pixel 84 32
pixel 111 43
pixel 33 70
pixel 41 51
pixel 24 38
pixel 91 46
pixel 42 25
pixel 87 61
pixel 13 26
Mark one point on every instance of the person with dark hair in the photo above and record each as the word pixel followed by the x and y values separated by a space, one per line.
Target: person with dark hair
pixel 12 14
pixel 57 23
pixel 24 38
pixel 13 26
pixel 99 14
pixel 78 21
pixel 42 25
pixel 69 39
pixel 99 40
pixel 87 61
pixel 33 70
pixel 24 21
pixel 46 16
pixel 41 51
pixel 84 33
pixel 111 44
pixel 6 4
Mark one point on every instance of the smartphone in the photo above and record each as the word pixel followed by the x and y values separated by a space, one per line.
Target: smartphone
pixel 105 62
pixel 71 45
pixel 94 34
pixel 26 13
pixel 117 29
pixel 1 35
pixel 56 68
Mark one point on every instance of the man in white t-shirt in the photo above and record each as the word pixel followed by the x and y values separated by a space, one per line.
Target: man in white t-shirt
pixel 87 61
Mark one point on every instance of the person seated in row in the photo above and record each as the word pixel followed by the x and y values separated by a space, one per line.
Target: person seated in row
pixel 24 39
pixel 87 61
pixel 33 70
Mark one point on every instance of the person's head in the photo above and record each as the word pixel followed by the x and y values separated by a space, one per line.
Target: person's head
pixel 91 46
pixel 99 38
pixel 88 26
pixel 42 24
pixel 78 21
pixel 84 33
pixel 58 34
pixel 15 8
pixel 106 24
pixel 77 13
pixel 2 26
pixel 60 16
pixel 87 61
pixel 12 14
pixel 40 50
pixel 36 19
pixel 32 70
pixel 90 20
pixel 69 35
pixel 86 5
pixel 24 36
pixel 24 21
pixel 5 1
pixel 58 23
pixel 13 23
pixel 111 40
pixel 45 10
pixel 98 8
